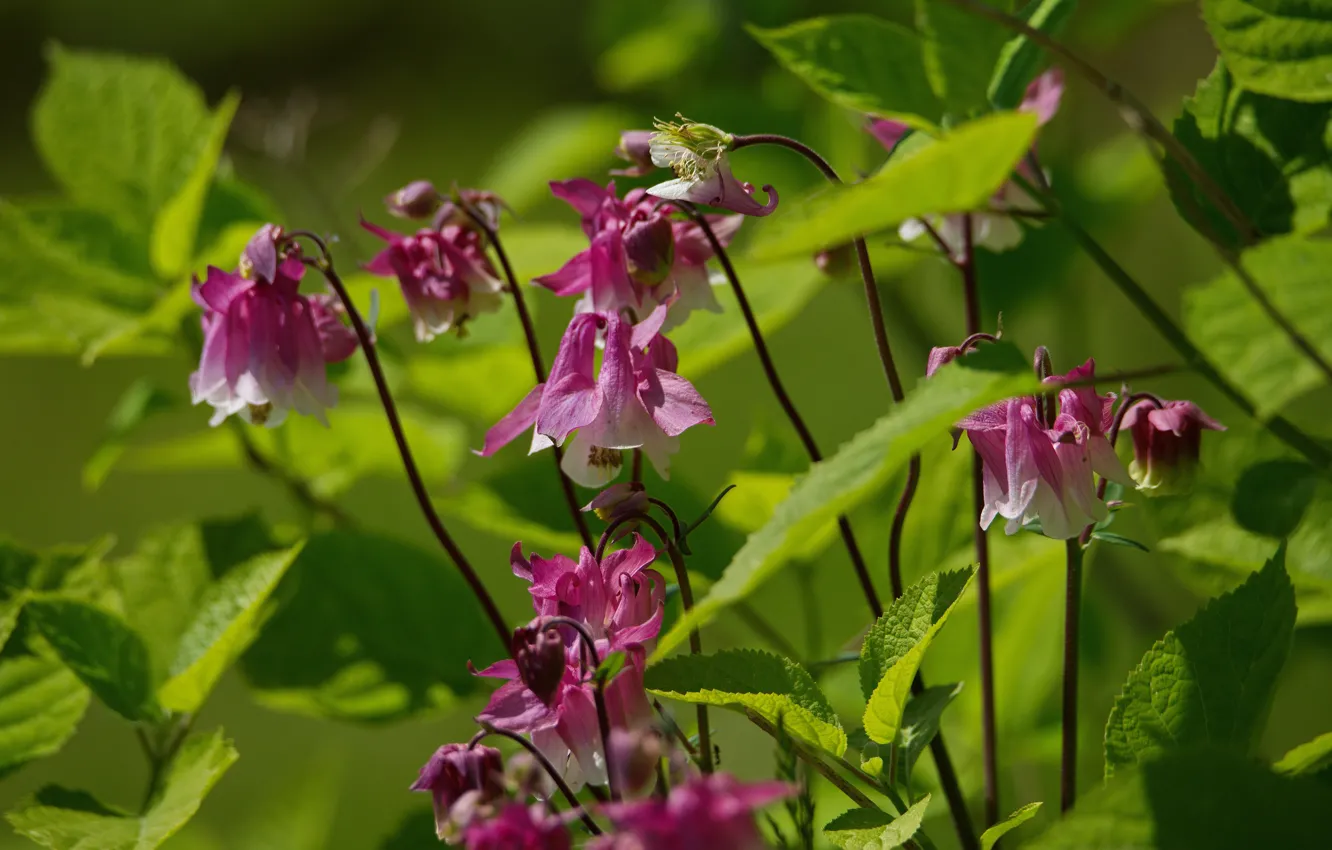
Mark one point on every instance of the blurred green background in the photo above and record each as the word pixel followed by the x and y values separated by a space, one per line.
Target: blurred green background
pixel 345 100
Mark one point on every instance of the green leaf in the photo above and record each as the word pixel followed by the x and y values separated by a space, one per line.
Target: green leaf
pixel 73 820
pixel 775 688
pixel 176 225
pixel 837 484
pixel 41 704
pixel 1196 800
pixel 991 836
pixel 1277 47
pixel 961 50
pixel 871 829
pixel 1247 346
pixel 359 635
pixel 565 142
pixel 226 623
pixel 1118 540
pixel 958 172
pixel 1270 156
pixel 859 62
pixel 906 623
pixel 920 723
pixel 103 651
pixel 120 134
pixel 609 668
pixel 1211 681
pixel 1272 497
pixel 1308 758
pixel 1020 59
pixel 911 636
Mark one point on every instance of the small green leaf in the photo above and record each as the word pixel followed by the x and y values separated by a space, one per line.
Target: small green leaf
pixel 775 688
pixel 883 713
pixel 1277 47
pixel 1308 758
pixel 991 836
pixel 859 62
pixel 609 668
pixel 1118 540
pixel 961 50
pixel 906 623
pixel 103 651
pixel 1020 58
pixel 920 723
pixel 226 623
pixel 960 171
pixel 1248 347
pixel 838 483
pixel 1272 497
pixel 41 704
pixel 871 829
pixel 60 819
pixel 1211 681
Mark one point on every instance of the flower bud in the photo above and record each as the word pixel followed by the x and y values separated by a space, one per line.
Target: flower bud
pixel 418 199
pixel 626 498
pixel 635 148
pixel 462 782
pixel 539 653
pixel 259 260
pixel 1167 440
pixel 941 356
pixel 836 262
pixel 649 248
pixel 635 755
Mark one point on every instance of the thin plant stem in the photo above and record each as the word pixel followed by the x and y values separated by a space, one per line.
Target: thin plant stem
pixel 783 399
pixel 636 467
pixel 592 660
pixel 541 759
pixel 990 766
pixel 538 364
pixel 502 631
pixel 1068 761
pixel 675 729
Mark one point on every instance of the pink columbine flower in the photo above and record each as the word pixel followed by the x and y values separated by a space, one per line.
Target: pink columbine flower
pixel 462 781
pixel 1044 471
pixel 635 148
pixel 444 275
pixel 707 813
pixel 995 232
pixel 1167 439
pixel 639 256
pixel 266 346
pixel 697 154
pixel 636 401
pixel 519 827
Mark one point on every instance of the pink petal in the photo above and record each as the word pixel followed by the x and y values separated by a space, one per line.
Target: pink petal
pixel 674 404
pixel 514 423
pixel 645 330
pixel 583 195
pixel 1043 95
pixel 887 131
pixel 611 288
pixel 517 709
pixel 574 277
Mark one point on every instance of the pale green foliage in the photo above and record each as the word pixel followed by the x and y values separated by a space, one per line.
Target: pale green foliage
pixel 1310 757
pixel 41 703
pixel 1020 57
pixel 871 829
pixel 1278 47
pixel 991 836
pixel 961 51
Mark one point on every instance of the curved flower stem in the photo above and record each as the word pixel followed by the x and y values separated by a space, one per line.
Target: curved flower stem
pixel 788 406
pixel 541 759
pixel 538 365
pixel 695 640
pixel 502 631
pixel 1068 761
pixel 593 661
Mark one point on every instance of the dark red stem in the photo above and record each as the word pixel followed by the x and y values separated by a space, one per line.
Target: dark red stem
pixel 541 759
pixel 1068 761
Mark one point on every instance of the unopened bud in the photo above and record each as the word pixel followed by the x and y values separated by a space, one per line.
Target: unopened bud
pixel 259 260
pixel 649 248
pixel 626 498
pixel 635 755
pixel 635 148
pixel 418 199
pixel 538 652
pixel 836 262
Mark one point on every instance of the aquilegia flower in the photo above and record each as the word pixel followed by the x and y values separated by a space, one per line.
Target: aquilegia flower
pixel 1036 470
pixel 444 275
pixel 713 812
pixel 266 346
pixel 1167 438
pixel 462 781
pixel 639 256
pixel 697 154
pixel 519 827
pixel 636 401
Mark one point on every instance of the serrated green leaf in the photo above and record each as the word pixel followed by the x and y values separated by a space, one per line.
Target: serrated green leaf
pixel 119 133
pixel 103 651
pixel 961 50
pixel 859 62
pixel 1270 156
pixel 920 723
pixel 73 820
pixel 958 172
pixel 1211 681
pixel 906 623
pixel 883 713
pixel 41 704
pixel 1020 58
pixel 1247 346
pixel 844 480
pixel 1308 758
pixel 1192 799
pixel 1277 47
pixel 359 635
pixel 871 829
pixel 176 225
pixel 991 836
pixel 775 688
pixel 1272 497
pixel 225 623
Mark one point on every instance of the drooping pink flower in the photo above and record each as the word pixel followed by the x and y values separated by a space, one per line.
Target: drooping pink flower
pixel 713 812
pixel 637 400
pixel 519 827
pixel 266 345
pixel 639 257
pixel 1167 439
pixel 461 780
pixel 444 275
pixel 697 154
